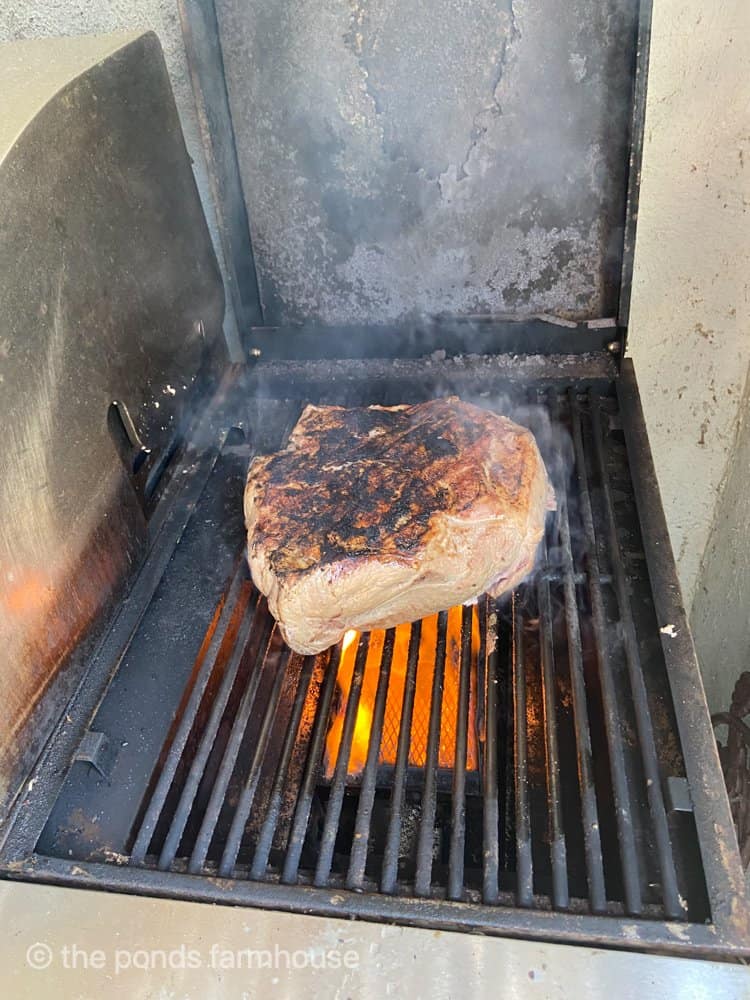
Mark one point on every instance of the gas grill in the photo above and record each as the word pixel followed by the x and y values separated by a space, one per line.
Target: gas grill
pixel 515 768
pixel 538 766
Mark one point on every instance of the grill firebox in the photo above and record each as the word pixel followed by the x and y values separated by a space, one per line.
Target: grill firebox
pixel 559 804
pixel 514 767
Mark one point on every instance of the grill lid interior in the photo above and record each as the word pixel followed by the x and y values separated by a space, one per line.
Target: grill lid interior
pixel 431 158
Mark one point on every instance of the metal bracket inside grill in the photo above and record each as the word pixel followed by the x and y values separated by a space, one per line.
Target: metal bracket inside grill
pixel 96 750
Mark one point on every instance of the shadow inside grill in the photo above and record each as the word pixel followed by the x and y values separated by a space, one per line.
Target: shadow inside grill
pixel 513 753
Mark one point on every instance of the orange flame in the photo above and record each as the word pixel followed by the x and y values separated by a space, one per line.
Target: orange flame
pixel 395 695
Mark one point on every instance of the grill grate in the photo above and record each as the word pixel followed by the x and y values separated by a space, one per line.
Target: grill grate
pixel 512 757
pixel 246 768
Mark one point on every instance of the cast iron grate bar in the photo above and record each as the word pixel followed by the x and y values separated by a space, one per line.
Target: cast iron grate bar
pixel 673 904
pixel 338 785
pixel 426 842
pixel 491 794
pixel 307 789
pixel 229 761
pixel 358 858
pixel 589 808
pixel 393 835
pixel 198 765
pixel 265 840
pixel 179 741
pixel 524 867
pixel 458 813
pixel 556 829
pixel 613 723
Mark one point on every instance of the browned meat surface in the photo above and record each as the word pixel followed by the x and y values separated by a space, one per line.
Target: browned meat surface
pixel 375 516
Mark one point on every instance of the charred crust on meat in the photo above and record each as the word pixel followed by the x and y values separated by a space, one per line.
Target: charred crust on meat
pixel 369 481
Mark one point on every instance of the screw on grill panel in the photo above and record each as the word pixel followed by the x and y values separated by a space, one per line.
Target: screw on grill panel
pixel 393 836
pixel 673 904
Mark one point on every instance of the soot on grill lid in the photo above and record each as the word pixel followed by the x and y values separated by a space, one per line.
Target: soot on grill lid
pixel 452 159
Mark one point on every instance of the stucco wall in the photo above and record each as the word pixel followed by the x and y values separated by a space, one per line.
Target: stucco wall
pixel 40 18
pixel 690 316
pixel 721 609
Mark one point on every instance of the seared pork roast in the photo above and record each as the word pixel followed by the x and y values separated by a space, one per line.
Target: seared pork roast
pixel 374 516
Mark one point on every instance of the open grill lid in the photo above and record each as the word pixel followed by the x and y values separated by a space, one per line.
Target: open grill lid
pixel 427 162
pixel 111 305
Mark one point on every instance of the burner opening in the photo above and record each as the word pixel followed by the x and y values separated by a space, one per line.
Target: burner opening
pixel 365 694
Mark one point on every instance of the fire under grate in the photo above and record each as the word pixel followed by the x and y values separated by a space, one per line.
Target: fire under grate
pixel 516 757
